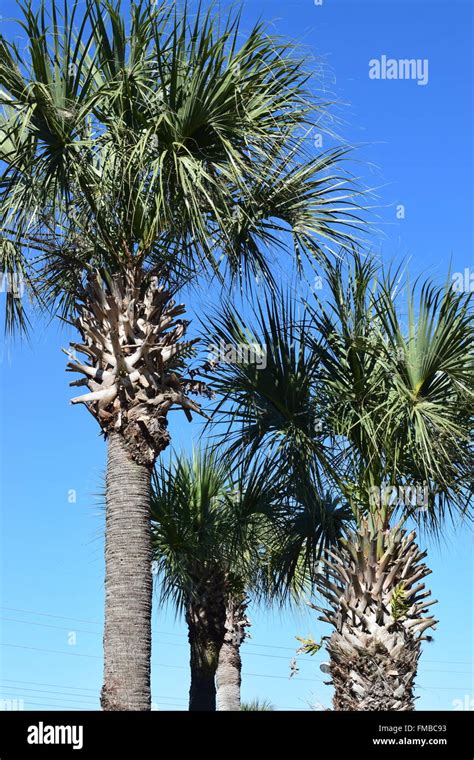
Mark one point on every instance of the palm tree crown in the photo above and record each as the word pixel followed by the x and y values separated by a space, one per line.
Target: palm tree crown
pixel 165 146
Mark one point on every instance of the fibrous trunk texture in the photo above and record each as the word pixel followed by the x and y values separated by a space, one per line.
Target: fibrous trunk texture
pixel 128 582
pixel 229 669
pixel 377 605
pixel 132 335
pixel 205 617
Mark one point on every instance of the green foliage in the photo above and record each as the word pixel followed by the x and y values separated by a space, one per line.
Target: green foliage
pixel 166 140
pixel 400 396
pixel 308 646
pixel 257 705
pixel 274 404
pixel 394 402
pixel 211 520
pixel 398 605
pixel 275 410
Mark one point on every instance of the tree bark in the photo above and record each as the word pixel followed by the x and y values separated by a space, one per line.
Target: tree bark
pixel 205 616
pixel 378 608
pixel 228 678
pixel 133 339
pixel 204 651
pixel 128 582
pixel 376 672
pixel 203 661
pixel 229 670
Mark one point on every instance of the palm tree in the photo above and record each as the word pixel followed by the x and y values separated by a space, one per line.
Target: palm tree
pixel 139 153
pixel 211 530
pixel 229 666
pixel 400 400
pixel 393 406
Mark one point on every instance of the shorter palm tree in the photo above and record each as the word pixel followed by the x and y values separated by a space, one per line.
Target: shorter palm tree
pixel 398 407
pixel 210 529
pixel 356 399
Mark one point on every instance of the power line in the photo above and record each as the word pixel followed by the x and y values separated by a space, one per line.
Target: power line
pixel 82 688
pixel 245 652
pixel 448 688
pixel 182 667
pixel 51 695
pixel 48 625
pixel 59 685
pixel 156 699
pixel 46 614
pixel 51 651
pixel 158 664
pixel 86 703
pixel 166 643
pixel 26 686
pixel 180 635
pixel 46 691
pixel 57 707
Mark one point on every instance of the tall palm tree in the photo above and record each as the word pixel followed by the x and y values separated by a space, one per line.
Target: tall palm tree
pixel 139 152
pixel 212 529
pixel 393 402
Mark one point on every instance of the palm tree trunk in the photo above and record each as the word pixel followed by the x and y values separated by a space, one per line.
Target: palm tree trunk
pixel 205 617
pixel 204 650
pixel 202 691
pixel 128 582
pixel 132 332
pixel 229 669
pixel 368 675
pixel 228 677
pixel 377 606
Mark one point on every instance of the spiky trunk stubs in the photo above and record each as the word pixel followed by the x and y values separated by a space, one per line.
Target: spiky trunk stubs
pixel 228 677
pixel 132 335
pixel 205 617
pixel 378 607
pixel 132 338
pixel 128 583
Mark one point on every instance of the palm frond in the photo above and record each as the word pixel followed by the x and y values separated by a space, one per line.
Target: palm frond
pixel 160 142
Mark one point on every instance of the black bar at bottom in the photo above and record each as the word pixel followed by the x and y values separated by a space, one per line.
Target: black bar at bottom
pixel 86 734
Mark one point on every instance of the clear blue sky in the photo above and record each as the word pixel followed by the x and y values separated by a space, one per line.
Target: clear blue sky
pixel 415 146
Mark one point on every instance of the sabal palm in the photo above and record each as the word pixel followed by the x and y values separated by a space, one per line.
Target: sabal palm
pixel 403 421
pixel 394 402
pixel 139 152
pixel 213 528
